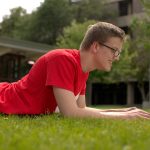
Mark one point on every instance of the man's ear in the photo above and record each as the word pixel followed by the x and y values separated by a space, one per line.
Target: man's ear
pixel 94 47
pixel 95 50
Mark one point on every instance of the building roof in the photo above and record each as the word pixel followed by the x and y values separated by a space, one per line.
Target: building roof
pixel 112 1
pixel 24 45
pixel 106 1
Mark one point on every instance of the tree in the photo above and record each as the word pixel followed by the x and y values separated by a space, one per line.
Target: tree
pixel 92 10
pixel 140 44
pixel 49 20
pixel 22 30
pixel 9 25
pixel 140 28
pixel 73 34
pixel 146 4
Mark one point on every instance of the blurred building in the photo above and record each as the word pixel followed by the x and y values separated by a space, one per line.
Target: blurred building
pixel 125 11
pixel 17 56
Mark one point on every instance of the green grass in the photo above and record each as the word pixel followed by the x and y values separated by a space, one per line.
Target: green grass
pixel 55 132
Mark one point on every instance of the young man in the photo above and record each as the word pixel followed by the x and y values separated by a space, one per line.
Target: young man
pixel 58 78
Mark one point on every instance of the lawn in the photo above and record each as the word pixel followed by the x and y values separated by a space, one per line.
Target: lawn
pixel 55 132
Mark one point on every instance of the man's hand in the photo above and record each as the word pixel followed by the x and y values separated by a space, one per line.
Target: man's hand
pixel 127 113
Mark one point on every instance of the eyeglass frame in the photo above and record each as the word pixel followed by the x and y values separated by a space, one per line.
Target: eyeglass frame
pixel 113 49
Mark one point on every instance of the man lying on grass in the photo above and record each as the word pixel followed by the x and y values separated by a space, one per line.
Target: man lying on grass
pixel 59 77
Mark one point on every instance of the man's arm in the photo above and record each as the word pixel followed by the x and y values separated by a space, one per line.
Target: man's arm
pixel 81 103
pixel 69 108
pixel 68 105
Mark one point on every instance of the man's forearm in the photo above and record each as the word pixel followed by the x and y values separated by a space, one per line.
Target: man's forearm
pixel 95 113
pixel 114 110
pixel 88 112
pixel 121 109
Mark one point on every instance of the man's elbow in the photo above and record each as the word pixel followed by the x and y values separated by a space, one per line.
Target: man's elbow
pixel 81 104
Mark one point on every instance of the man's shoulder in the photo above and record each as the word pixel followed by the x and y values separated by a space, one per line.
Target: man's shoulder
pixel 61 53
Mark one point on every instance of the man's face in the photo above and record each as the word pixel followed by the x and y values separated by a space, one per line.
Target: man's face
pixel 107 53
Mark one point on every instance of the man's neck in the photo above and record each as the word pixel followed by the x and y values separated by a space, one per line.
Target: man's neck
pixel 86 61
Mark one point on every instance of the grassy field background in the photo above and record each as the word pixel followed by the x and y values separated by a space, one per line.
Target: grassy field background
pixel 55 132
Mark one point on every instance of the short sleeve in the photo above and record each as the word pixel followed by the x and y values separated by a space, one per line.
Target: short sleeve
pixel 61 73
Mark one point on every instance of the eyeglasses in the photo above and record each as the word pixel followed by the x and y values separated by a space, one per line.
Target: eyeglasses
pixel 116 52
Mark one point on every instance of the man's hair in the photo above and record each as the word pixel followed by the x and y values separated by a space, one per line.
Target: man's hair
pixel 101 32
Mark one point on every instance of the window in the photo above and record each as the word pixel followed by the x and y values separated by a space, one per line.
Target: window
pixel 125 7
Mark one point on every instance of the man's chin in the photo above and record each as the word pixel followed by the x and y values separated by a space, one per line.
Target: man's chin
pixel 108 69
pixel 105 68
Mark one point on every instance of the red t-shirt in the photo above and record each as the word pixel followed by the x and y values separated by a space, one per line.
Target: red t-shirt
pixel 33 94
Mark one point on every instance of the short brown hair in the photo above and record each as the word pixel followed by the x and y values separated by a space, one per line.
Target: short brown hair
pixel 101 32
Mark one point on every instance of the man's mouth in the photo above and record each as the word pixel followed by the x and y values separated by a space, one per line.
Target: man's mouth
pixel 110 62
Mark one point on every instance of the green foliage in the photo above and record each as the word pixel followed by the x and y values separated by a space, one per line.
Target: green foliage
pixel 43 25
pixel 73 34
pixel 88 9
pixel 123 69
pixel 10 24
pixel 146 4
pixel 141 44
pixel 92 10
pixel 49 21
pixel 56 132
pixel 22 27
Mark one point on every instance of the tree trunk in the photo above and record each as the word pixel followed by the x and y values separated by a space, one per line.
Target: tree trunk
pixel 142 91
pixel 130 94
pixel 89 93
pixel 145 102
